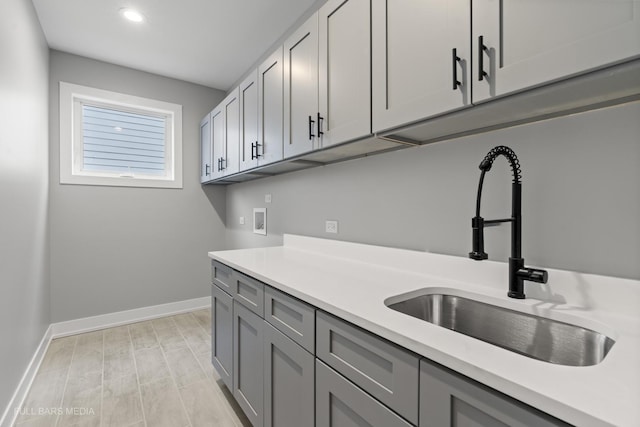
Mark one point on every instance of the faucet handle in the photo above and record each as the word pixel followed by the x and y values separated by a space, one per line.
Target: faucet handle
pixel 533 274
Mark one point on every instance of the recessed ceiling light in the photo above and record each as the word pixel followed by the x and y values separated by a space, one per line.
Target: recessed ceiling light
pixel 132 15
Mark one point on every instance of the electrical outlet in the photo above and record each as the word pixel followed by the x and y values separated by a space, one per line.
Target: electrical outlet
pixel 331 227
pixel 267 198
pixel 241 220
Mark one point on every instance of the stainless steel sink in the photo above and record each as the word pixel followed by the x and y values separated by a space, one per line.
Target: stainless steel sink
pixel 532 336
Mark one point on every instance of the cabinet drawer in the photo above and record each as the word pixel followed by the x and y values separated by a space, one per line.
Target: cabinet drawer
pixel 249 292
pixel 292 317
pixel 447 399
pixel 384 370
pixel 339 403
pixel 222 276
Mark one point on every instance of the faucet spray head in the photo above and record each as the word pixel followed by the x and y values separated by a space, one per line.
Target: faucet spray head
pixel 478 253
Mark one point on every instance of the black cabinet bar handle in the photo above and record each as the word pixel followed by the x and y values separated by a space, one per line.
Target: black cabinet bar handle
pixel 454 59
pixel 206 169
pixel 311 122
pixel 320 119
pixel 223 160
pixel 253 148
pixel 481 50
pixel 258 155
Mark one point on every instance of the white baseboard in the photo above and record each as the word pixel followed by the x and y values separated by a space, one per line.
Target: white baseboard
pixel 109 320
pixel 88 324
pixel 10 413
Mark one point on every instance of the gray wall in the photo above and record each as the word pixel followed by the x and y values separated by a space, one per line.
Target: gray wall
pixel 24 255
pixel 581 195
pixel 117 248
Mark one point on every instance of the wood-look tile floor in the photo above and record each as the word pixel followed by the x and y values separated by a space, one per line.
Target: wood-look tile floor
pixel 155 373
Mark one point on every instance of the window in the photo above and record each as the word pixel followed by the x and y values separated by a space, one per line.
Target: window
pixel 108 138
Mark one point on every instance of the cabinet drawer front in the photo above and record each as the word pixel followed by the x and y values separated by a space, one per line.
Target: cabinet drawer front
pixel 340 403
pixel 249 292
pixel 222 276
pixel 292 317
pixel 289 374
pixel 387 372
pixel 222 334
pixel 447 398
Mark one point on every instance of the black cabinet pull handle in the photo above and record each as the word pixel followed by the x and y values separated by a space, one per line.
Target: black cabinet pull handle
pixel 481 50
pixel 311 122
pixel 254 149
pixel 206 169
pixel 454 59
pixel 223 160
pixel 320 119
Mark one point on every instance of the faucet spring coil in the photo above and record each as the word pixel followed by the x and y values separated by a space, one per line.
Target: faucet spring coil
pixel 491 156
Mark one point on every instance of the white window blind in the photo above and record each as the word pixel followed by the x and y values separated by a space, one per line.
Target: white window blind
pixel 124 142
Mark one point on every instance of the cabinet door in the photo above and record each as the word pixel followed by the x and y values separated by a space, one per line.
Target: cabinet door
pixel 344 71
pixel 339 403
pixel 414 70
pixel 231 105
pixel 217 141
pixel 270 109
pixel 249 121
pixel 301 89
pixel 448 399
pixel 205 149
pixel 529 42
pixel 222 334
pixel 289 382
pixel 248 375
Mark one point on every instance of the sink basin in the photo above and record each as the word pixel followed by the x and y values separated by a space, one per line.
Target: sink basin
pixel 532 336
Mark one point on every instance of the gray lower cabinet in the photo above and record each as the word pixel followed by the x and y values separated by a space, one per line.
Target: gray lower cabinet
pixel 288 382
pixel 222 334
pixel 339 403
pixel 449 399
pixel 384 370
pixel 248 358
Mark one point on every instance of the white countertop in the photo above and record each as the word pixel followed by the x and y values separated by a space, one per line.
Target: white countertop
pixel 352 281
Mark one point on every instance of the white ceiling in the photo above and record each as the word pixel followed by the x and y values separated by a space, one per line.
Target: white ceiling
pixel 210 42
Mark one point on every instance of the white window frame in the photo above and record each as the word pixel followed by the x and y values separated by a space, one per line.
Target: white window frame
pixel 73 96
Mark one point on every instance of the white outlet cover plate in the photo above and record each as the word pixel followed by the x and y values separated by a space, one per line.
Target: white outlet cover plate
pixel 267 198
pixel 331 226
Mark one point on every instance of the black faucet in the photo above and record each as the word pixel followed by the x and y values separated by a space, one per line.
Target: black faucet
pixel 518 273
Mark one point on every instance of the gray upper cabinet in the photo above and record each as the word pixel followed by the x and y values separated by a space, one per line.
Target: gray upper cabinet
pixel 384 370
pixel 527 43
pixel 270 109
pixel 450 400
pixel 339 403
pixel 344 71
pixel 289 398
pixel 222 334
pixel 301 89
pixel 248 91
pixel 205 149
pixel 248 363
pixel 420 50
pixel 225 123
pixel 218 146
